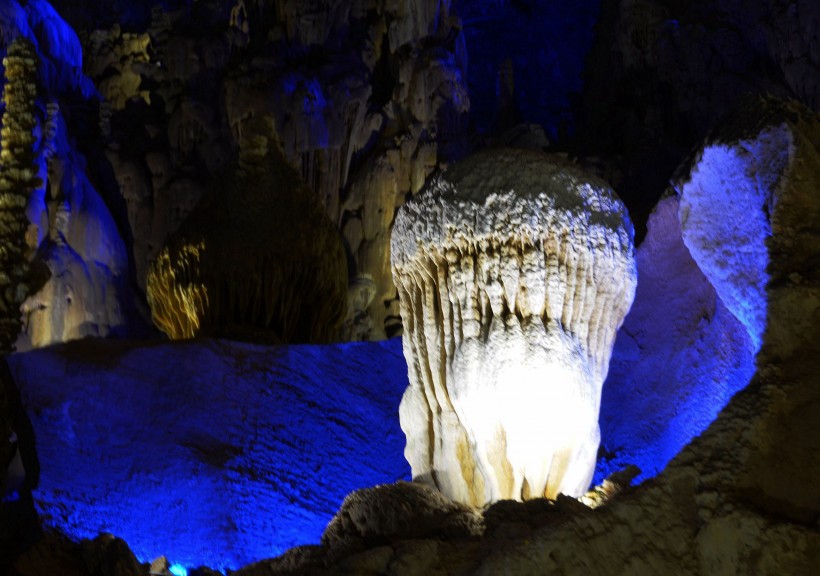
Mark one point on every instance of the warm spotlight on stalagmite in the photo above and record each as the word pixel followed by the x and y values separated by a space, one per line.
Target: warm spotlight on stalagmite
pixel 515 270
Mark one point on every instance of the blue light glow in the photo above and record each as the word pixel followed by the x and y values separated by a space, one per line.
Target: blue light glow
pixel 178 570
pixel 247 451
pixel 213 454
pixel 678 359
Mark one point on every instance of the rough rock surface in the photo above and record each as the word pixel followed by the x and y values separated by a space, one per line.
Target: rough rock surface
pixel 103 555
pixel 87 293
pixel 212 453
pixel 515 271
pixel 678 358
pixel 741 178
pixel 404 511
pixel 412 529
pixel 71 228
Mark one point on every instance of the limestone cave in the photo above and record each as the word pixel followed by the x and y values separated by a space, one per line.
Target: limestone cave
pixel 371 287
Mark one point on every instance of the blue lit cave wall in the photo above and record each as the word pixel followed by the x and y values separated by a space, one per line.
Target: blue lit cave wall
pixel 214 453
pixel 678 358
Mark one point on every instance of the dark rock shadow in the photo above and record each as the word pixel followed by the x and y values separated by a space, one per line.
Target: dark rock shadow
pixel 20 473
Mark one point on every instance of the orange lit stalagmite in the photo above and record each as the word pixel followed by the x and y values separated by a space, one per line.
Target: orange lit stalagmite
pixel 177 295
pixel 258 260
pixel 514 270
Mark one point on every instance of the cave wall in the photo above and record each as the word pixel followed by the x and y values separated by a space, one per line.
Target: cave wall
pixel 73 233
pixel 370 97
pixel 172 87
pixel 228 453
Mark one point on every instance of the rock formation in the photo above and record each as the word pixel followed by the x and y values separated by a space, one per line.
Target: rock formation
pixel 740 177
pixel 79 281
pixel 260 258
pixel 87 292
pixel 678 359
pixel 740 499
pixel 19 178
pixel 515 270
pixel 367 99
pixel 401 511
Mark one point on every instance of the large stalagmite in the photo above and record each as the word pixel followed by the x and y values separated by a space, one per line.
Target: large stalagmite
pixel 514 271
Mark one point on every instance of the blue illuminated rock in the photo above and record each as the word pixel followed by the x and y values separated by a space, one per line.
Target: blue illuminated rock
pixel 678 358
pixel 746 167
pixel 211 453
pixel 77 238
pixel 71 228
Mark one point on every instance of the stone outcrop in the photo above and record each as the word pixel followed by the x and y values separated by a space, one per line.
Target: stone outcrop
pixel 740 172
pixel 515 270
pixel 409 528
pixel 79 284
pixel 102 556
pixel 395 512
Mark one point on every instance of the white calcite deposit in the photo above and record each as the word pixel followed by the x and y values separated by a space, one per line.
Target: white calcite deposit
pixel 515 270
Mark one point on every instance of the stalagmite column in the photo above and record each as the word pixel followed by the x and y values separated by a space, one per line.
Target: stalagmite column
pixel 514 271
